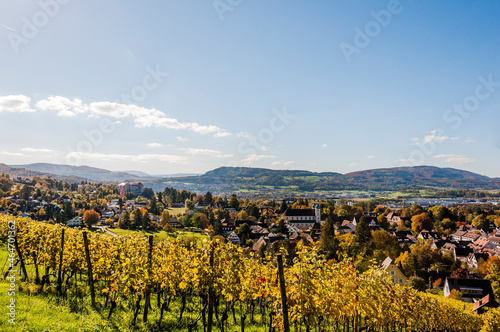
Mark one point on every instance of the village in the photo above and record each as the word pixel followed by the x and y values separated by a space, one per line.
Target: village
pixel 452 250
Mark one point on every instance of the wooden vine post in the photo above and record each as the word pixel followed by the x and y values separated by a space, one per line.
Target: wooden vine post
pixel 284 304
pixel 20 256
pixel 147 298
pixel 89 268
pixel 211 295
pixel 59 274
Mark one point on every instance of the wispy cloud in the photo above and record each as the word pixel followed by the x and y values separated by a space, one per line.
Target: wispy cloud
pixel 38 150
pixel 154 145
pixel 324 145
pixel 432 136
pixel 182 139
pixel 282 164
pixel 7 153
pixel 252 158
pixel 470 140
pixel 209 152
pixel 8 28
pixel 353 164
pixel 371 157
pixel 455 159
pixel 142 158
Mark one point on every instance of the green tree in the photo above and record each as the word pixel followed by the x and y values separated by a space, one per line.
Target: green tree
pixel 234 202
pixel 153 208
pixel 244 232
pixel 363 233
pixel 208 198
pixel 148 193
pixel 146 219
pixel 328 239
pixel 283 207
pixel 136 219
pixel 125 224
pixel 418 283
pixel 281 228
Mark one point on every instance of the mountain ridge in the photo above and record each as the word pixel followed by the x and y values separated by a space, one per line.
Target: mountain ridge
pixel 225 178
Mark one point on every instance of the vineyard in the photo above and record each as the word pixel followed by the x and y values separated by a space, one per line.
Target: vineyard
pixel 212 286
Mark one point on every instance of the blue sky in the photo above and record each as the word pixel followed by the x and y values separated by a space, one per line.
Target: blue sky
pixel 186 86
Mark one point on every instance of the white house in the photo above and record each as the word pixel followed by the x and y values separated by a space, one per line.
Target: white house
pixel 234 238
pixel 75 222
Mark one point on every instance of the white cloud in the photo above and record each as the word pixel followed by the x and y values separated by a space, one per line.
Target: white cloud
pixel 455 159
pixel 284 164
pixel 15 104
pixel 213 153
pixel 154 145
pixel 370 157
pixel 172 159
pixel 470 140
pixel 142 117
pixel 252 158
pixel 195 151
pixel 38 150
pixel 324 145
pixel 62 105
pixel 243 134
pixel 182 139
pixel 432 137
pixel 7 153
pixel 353 164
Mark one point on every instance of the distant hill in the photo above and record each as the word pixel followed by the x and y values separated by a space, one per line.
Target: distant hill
pixel 387 179
pixel 227 179
pixel 90 173
pixel 26 173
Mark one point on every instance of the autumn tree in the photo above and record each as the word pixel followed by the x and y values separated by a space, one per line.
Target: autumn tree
pixel 493 267
pixel 407 262
pixel 480 222
pixel 421 222
pixel 91 217
pixel 165 220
